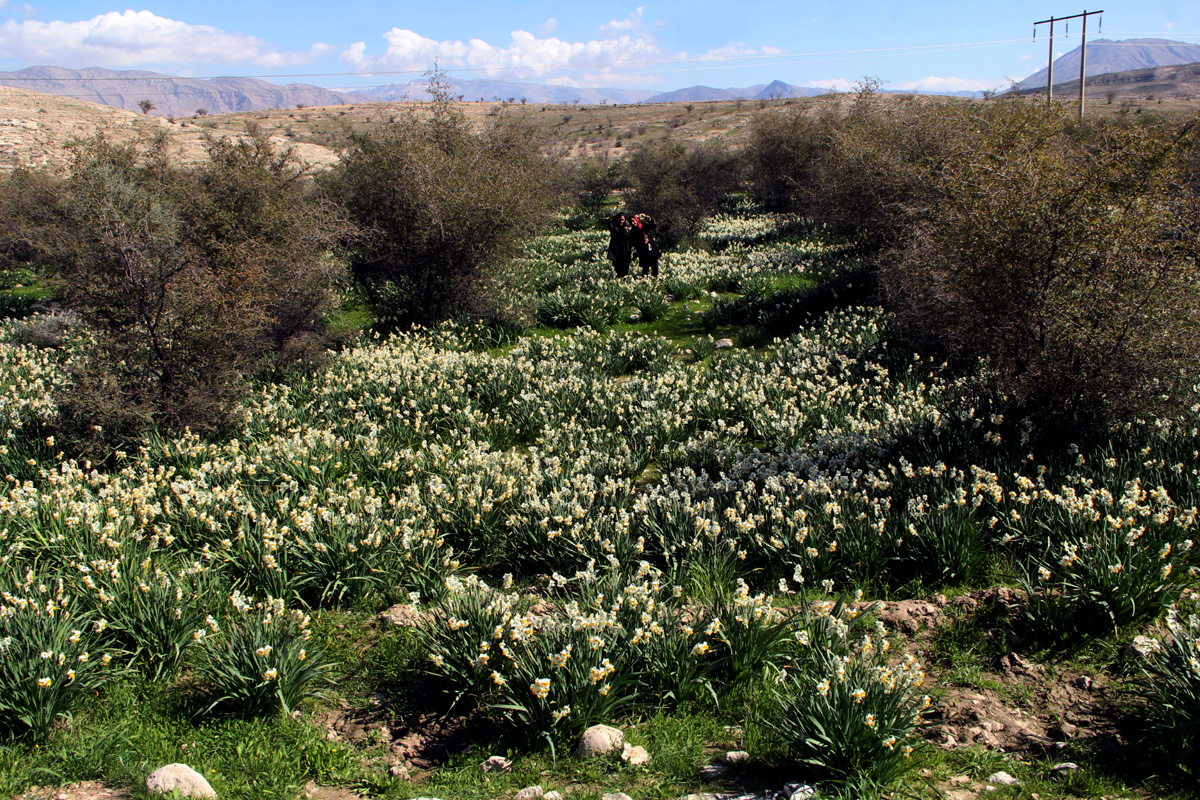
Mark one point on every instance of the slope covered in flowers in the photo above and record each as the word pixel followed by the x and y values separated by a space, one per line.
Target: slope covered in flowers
pixel 594 518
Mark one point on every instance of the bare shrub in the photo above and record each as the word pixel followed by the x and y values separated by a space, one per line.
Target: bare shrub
pixel 678 185
pixel 1056 254
pixel 438 205
pixel 187 278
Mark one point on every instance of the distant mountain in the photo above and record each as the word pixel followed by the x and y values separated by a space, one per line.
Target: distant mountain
pixel 764 91
pixel 692 94
pixel 1108 55
pixel 1159 83
pixel 489 91
pixel 170 95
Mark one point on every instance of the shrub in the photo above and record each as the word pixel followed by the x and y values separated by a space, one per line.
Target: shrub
pixel 439 205
pixel 678 185
pixel 781 155
pixel 187 278
pixel 1050 252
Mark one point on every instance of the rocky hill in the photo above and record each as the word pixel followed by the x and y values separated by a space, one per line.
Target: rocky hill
pixel 36 130
pixel 1108 55
pixel 1155 84
pixel 173 96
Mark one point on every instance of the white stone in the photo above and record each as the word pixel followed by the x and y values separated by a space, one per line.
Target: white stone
pixel 799 791
pixel 723 344
pixel 600 740
pixel 496 764
pixel 735 757
pixel 616 796
pixel 552 796
pixel 530 792
pixel 179 777
pixel 1003 779
pixel 635 756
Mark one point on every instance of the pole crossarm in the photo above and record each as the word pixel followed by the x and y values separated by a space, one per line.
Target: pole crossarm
pixel 1082 55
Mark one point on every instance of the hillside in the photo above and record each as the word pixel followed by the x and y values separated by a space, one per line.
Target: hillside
pixel 1107 55
pixel 35 130
pixel 1166 90
pixel 172 96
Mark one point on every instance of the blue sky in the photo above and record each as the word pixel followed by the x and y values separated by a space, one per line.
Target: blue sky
pixel 658 44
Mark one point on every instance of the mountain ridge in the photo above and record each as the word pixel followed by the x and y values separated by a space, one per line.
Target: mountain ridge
pixel 1115 55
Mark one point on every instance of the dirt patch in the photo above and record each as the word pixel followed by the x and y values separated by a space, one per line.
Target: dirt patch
pixel 89 790
pixel 417 742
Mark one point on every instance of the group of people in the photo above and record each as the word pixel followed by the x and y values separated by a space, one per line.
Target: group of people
pixel 629 234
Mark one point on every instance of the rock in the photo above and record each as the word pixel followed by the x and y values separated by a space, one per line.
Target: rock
pixel 1083 682
pixel 735 757
pixel 552 796
pixel 899 619
pixel 181 778
pixel 600 740
pixel 402 615
pixel 635 756
pixel 798 791
pixel 723 344
pixel 1003 779
pixel 616 796
pixel 940 600
pixel 398 771
pixel 1063 769
pixel 713 772
pixel 530 792
pixel 1062 731
pixel 496 764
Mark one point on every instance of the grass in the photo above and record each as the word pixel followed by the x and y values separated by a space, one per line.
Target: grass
pixel 137 727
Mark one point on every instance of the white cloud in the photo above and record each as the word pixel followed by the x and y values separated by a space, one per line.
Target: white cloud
pixel 1169 25
pixel 136 38
pixel 933 83
pixel 631 23
pixel 549 25
pixel 526 56
pixel 836 84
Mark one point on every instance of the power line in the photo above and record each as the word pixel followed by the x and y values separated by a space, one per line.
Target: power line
pixel 915 49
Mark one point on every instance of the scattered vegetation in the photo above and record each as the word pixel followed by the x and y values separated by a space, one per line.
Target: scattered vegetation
pixel 602 509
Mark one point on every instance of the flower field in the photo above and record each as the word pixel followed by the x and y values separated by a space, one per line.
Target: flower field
pixel 596 513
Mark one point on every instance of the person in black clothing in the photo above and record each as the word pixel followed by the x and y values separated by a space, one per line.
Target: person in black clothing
pixel 620 246
pixel 641 231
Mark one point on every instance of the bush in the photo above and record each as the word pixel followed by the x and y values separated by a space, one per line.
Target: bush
pixel 261 662
pixel 1171 682
pixel 677 185
pixel 438 205
pixel 188 278
pixel 45 664
pixel 845 711
pixel 781 155
pixel 1052 253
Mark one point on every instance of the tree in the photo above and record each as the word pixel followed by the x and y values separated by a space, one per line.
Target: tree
pixel 146 106
pixel 678 185
pixel 1066 257
pixel 438 205
pixel 186 277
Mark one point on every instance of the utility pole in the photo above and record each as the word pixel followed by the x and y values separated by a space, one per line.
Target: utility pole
pixel 1082 56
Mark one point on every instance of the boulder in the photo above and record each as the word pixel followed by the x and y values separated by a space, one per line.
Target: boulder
pixel 181 778
pixel 600 740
